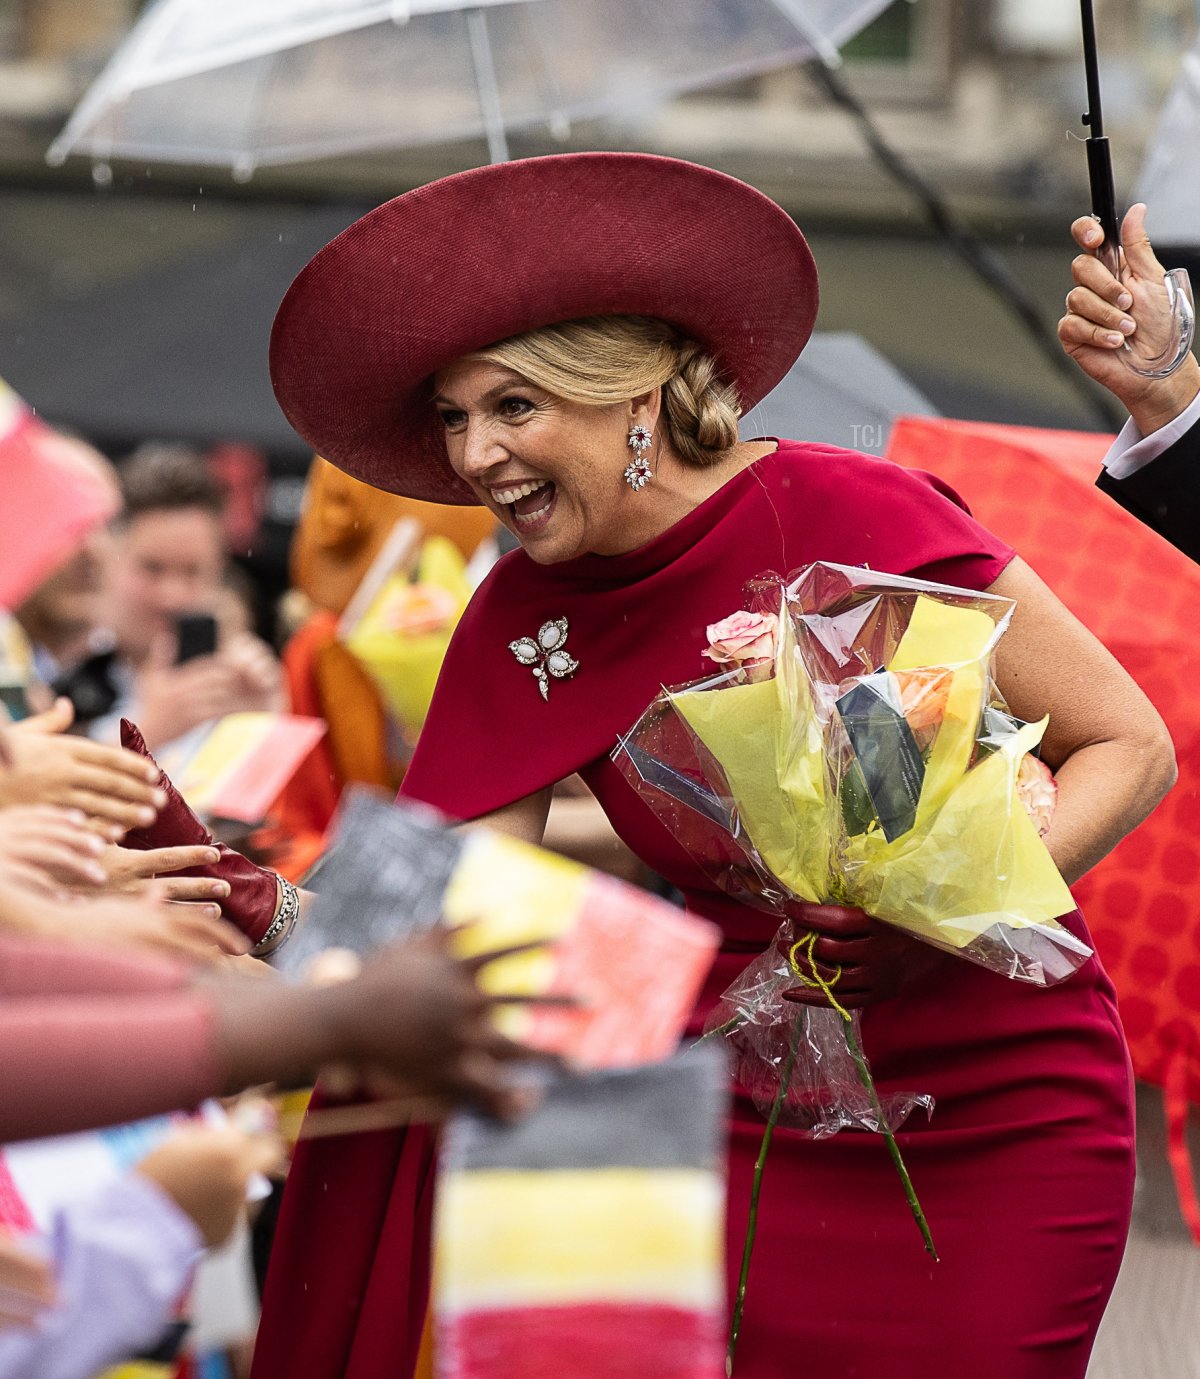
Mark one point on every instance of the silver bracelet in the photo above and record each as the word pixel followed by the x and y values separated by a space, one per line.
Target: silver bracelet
pixel 280 928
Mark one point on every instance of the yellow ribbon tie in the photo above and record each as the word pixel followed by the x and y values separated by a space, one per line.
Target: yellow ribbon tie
pixel 816 982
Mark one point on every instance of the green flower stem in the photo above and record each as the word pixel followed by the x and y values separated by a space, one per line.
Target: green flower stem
pixel 816 981
pixel 864 1076
pixel 727 1028
pixel 755 1189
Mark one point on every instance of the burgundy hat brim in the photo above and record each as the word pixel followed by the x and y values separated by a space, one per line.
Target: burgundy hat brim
pixel 483 255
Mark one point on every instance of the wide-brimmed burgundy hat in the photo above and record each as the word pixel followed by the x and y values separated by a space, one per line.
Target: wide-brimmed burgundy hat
pixel 484 255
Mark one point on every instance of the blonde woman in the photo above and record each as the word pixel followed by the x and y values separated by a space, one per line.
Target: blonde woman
pixel 569 341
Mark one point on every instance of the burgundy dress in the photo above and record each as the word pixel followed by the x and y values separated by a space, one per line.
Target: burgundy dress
pixel 1026 1168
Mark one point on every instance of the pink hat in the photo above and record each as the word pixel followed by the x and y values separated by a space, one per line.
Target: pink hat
pixel 54 495
pixel 484 255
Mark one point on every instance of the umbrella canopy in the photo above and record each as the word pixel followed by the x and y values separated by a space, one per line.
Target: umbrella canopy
pixel 280 81
pixel 1139 595
pixel 1169 183
pixel 841 391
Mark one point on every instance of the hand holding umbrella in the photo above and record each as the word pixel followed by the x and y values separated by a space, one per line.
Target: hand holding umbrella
pixel 1106 311
pixel 1154 353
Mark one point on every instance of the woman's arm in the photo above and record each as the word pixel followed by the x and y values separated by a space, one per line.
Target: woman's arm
pixel 524 819
pixel 37 967
pixel 1106 744
pixel 415 1014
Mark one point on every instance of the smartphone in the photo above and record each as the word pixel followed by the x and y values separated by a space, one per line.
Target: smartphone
pixel 195 635
pixel 91 686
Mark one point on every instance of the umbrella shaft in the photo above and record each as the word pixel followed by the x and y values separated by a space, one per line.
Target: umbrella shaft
pixel 485 81
pixel 1104 194
pixel 1094 119
pixel 1100 173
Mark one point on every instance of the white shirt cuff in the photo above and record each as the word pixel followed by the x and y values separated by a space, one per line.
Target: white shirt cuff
pixel 1132 451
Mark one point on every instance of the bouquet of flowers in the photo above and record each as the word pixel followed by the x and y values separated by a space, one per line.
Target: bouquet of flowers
pixel 853 748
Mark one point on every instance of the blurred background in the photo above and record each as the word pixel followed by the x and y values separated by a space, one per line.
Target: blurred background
pixel 136 296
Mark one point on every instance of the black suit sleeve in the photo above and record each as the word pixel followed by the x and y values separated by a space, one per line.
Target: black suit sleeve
pixel 1165 494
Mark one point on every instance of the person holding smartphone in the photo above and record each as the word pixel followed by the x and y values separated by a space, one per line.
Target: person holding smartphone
pixel 182 649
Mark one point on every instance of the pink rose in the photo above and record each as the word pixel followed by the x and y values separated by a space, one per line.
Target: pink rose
pixel 744 640
pixel 1038 792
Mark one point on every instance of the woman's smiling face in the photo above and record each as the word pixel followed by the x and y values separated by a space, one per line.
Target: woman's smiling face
pixel 550 469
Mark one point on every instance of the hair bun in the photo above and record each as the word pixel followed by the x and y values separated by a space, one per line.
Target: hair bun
pixel 702 412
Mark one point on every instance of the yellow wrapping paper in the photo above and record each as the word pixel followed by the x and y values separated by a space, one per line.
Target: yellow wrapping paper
pixel 972 859
pixel 140 1369
pixel 768 742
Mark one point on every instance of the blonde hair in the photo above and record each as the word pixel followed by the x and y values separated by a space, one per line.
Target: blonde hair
pixel 602 360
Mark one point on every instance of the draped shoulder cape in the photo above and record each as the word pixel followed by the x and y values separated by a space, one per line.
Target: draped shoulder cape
pixel 637 621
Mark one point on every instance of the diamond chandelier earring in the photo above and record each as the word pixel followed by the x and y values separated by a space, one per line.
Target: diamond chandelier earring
pixel 637 471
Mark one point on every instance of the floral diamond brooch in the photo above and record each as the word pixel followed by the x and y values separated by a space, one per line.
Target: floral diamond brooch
pixel 547 655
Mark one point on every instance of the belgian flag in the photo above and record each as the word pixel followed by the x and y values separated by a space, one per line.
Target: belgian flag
pixel 588 1239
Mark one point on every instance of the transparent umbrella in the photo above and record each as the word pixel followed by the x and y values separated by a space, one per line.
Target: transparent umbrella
pixel 280 81
pixel 1170 179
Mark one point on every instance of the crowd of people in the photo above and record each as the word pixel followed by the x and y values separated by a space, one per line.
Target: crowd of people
pixel 128 993
pixel 103 629
pixel 572 381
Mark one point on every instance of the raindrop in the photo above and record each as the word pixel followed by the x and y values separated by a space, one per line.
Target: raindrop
pixel 102 174
pixel 560 127
pixel 243 168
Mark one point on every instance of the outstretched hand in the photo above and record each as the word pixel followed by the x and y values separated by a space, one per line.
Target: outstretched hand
pixel 205 1170
pixel 127 868
pixel 418 1021
pixel 1105 309
pixel 116 789
pixel 48 848
pixel 145 919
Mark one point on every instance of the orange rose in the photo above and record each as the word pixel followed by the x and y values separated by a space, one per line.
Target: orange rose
pixel 923 696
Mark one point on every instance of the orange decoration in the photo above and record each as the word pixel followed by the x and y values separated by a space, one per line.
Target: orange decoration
pixel 923 695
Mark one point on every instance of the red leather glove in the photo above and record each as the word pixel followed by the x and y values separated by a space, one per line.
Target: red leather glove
pixel 253 891
pixel 876 959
